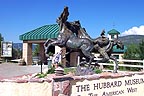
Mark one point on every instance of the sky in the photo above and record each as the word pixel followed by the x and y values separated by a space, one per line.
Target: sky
pixel 20 16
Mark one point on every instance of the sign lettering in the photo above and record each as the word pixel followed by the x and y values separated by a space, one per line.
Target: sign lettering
pixel 122 86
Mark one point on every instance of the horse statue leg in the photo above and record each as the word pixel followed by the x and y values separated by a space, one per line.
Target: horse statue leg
pixel 85 70
pixel 104 55
pixel 88 55
pixel 46 46
pixel 49 43
pixel 116 64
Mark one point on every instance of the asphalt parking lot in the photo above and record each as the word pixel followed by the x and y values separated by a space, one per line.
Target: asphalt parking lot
pixel 9 70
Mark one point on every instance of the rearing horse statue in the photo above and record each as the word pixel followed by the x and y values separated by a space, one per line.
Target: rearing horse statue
pixel 68 38
pixel 104 46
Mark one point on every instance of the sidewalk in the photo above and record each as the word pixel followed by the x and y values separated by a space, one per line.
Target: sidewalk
pixel 9 70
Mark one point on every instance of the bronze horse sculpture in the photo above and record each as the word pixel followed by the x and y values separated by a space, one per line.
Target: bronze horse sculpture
pixel 104 46
pixel 73 36
pixel 68 37
pixel 106 52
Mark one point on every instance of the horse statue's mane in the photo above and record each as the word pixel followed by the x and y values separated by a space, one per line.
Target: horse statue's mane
pixel 74 27
pixel 64 15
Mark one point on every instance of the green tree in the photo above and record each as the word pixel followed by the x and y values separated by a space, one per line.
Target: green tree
pixel 1 39
pixel 141 49
pixel 36 50
pixel 16 53
pixel 132 53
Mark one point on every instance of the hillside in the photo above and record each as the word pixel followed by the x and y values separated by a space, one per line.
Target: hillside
pixel 131 39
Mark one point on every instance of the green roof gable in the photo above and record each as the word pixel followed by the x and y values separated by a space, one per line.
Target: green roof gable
pixel 113 31
pixel 44 32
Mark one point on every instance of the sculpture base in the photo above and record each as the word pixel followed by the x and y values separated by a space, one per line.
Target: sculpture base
pixel 83 70
pixel 103 84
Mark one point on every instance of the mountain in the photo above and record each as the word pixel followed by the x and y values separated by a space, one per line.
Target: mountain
pixel 131 39
pixel 20 45
pixel 17 46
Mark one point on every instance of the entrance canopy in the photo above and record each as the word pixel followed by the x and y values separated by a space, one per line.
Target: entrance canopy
pixel 41 33
pixel 37 36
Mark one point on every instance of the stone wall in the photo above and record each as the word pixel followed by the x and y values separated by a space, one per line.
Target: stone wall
pixel 103 84
pixel 124 85
pixel 25 89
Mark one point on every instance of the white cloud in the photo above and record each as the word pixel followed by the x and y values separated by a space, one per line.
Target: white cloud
pixel 134 31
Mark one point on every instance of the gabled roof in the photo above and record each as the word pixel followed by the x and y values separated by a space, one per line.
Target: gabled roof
pixel 41 33
pixel 113 31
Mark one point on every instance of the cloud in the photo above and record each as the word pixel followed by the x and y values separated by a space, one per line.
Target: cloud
pixel 134 31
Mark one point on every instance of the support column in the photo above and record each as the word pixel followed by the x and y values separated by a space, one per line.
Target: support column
pixel 74 58
pixel 63 59
pixel 41 53
pixel 27 53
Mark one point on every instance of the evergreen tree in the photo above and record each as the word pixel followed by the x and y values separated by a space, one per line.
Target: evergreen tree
pixel 1 39
pixel 132 52
pixel 16 53
pixel 141 49
pixel 36 50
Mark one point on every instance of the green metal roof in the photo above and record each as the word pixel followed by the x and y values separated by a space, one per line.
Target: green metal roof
pixel 118 50
pixel 44 32
pixel 113 31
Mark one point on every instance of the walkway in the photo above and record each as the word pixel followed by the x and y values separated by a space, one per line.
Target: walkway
pixel 8 70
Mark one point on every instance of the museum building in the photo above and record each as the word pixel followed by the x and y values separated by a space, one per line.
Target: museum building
pixel 41 34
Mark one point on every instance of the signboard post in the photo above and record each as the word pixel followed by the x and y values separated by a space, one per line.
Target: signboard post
pixel 6 49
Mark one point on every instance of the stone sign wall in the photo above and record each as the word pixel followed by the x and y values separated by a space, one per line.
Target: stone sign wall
pixel 103 84
pixel 122 86
pixel 25 89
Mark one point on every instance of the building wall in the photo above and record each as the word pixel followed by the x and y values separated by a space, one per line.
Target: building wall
pixel 27 53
